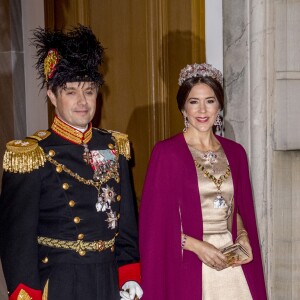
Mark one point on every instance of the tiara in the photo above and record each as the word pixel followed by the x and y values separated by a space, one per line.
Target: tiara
pixel 203 70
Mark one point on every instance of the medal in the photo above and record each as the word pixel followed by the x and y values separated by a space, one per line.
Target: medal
pixel 86 154
pixel 105 198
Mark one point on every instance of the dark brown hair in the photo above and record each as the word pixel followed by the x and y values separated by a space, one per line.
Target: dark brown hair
pixel 188 84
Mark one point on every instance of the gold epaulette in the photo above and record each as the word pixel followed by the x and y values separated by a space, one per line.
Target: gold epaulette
pixel 24 156
pixel 122 143
pixel 40 135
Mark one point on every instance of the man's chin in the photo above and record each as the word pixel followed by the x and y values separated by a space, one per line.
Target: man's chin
pixel 81 125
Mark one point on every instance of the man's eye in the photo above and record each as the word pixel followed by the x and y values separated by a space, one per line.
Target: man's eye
pixel 90 92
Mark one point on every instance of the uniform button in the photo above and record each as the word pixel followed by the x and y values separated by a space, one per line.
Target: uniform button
pixel 51 153
pixel 45 260
pixel 112 249
pixel 118 216
pixel 59 169
pixel 111 146
pixel 80 236
pixel 71 203
pixel 118 180
pixel 82 253
pixel 76 220
pixel 65 186
pixel 119 197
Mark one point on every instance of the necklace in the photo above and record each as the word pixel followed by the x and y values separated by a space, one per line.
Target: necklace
pixel 219 201
pixel 210 156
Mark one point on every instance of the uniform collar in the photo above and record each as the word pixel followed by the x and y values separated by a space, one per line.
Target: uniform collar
pixel 70 133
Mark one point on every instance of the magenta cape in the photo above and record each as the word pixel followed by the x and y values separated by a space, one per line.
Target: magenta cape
pixel 171 182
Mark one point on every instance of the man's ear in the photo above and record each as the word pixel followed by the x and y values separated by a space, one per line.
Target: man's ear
pixel 52 97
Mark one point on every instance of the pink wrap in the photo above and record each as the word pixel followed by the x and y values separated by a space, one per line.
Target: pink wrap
pixel 171 183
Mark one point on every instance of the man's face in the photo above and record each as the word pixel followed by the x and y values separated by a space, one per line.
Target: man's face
pixel 75 103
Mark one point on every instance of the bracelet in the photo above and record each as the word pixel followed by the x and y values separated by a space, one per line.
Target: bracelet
pixel 183 240
pixel 243 232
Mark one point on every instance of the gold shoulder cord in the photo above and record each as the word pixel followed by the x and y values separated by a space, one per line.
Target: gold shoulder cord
pixel 45 291
pixel 122 143
pixel 24 156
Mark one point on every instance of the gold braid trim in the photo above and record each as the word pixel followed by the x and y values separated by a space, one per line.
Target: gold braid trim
pixel 97 184
pixel 77 245
pixel 45 292
pixel 71 134
pixel 122 143
pixel 23 295
pixel 23 156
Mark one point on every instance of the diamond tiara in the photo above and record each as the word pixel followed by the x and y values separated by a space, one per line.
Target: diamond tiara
pixel 203 70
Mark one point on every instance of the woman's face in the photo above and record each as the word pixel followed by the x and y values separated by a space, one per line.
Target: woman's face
pixel 201 108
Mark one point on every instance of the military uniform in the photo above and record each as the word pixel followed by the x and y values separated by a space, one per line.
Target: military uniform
pixel 68 226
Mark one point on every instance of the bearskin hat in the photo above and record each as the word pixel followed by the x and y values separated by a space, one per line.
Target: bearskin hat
pixel 67 57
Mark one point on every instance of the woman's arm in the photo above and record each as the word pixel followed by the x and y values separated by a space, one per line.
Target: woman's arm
pixel 207 253
pixel 242 238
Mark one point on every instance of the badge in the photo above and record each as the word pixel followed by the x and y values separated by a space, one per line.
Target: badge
pixel 105 199
pixel 112 219
pixel 102 162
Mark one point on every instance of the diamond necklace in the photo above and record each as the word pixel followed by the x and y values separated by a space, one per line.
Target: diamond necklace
pixel 219 201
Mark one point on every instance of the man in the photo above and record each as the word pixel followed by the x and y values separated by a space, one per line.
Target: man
pixel 67 220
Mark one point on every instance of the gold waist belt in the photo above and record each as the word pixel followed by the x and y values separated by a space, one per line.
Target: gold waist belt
pixel 78 246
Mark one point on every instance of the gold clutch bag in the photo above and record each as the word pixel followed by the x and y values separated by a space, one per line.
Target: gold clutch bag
pixel 235 252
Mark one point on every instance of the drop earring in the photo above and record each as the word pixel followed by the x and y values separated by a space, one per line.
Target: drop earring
pixel 218 123
pixel 186 124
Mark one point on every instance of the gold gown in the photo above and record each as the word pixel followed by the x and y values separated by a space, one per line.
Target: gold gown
pixel 230 283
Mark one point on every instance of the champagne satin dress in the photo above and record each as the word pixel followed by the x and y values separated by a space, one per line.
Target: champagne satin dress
pixel 229 283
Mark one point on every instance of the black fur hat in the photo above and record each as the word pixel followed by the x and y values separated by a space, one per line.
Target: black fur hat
pixel 67 57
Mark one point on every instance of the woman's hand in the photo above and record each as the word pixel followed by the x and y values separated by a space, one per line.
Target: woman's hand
pixel 244 241
pixel 207 253
pixel 242 238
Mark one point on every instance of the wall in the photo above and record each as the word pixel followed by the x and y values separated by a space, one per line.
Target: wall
pixel 36 105
pixel 261 69
pixel 214 33
pixel 22 107
pixel 285 135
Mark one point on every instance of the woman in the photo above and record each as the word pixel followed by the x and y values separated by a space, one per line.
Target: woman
pixel 196 201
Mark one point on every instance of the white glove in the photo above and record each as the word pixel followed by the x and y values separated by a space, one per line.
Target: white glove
pixel 130 289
